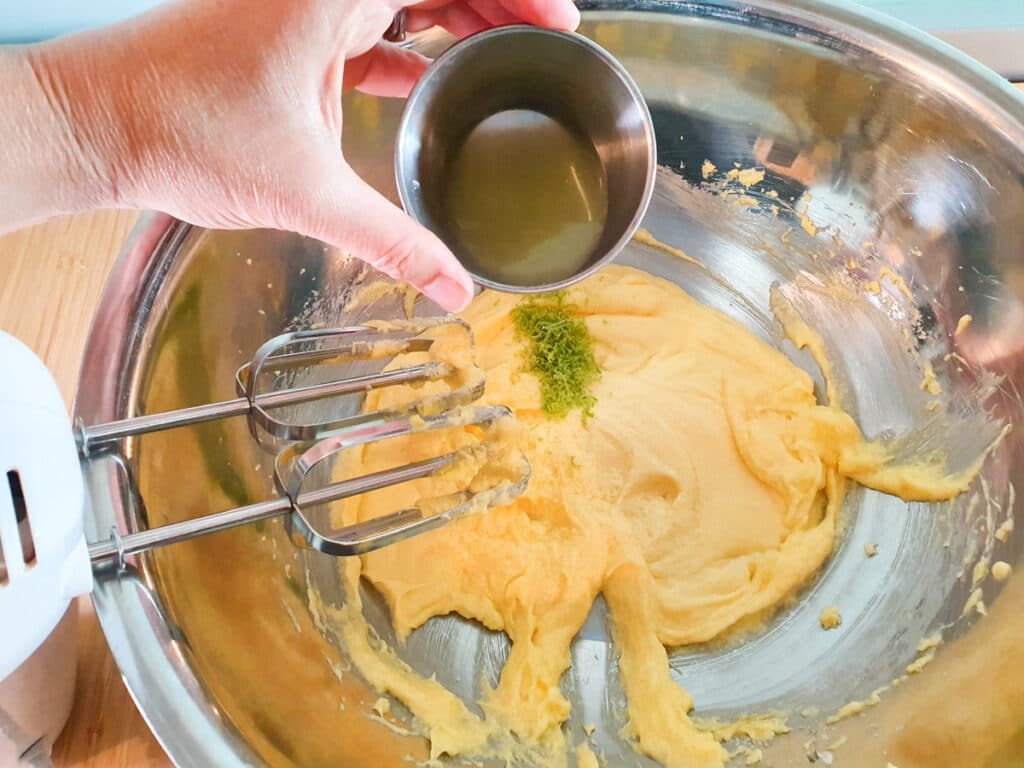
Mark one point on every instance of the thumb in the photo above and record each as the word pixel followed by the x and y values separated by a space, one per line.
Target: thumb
pixel 385 70
pixel 356 218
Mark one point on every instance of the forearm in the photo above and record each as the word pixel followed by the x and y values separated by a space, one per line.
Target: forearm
pixel 227 114
pixel 49 165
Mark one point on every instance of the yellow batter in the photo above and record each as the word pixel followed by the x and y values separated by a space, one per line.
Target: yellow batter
pixel 703 491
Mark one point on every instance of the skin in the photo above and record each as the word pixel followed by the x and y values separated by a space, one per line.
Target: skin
pixel 228 115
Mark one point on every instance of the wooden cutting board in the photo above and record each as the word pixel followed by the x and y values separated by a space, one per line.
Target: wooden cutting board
pixel 52 279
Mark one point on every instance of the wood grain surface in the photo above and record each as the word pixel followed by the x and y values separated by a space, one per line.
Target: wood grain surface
pixel 52 277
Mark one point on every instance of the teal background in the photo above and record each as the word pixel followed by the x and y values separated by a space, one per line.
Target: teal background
pixel 937 15
pixel 27 20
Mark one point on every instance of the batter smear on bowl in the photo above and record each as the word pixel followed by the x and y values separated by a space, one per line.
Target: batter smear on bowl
pixel 701 489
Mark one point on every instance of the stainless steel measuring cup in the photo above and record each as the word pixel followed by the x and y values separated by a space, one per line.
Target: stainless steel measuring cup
pixel 565 77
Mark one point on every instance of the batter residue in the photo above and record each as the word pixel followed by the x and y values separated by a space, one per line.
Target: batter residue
pixel 703 490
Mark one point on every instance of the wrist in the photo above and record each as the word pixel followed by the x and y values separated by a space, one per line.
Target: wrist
pixel 76 90
pixel 51 163
pixel 121 97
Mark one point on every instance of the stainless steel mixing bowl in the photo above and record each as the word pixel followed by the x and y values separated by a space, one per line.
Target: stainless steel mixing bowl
pixel 902 152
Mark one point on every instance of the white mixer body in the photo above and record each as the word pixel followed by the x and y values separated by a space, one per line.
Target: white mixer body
pixel 44 562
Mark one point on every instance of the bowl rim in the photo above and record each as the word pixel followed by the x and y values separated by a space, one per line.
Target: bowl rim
pixel 150 654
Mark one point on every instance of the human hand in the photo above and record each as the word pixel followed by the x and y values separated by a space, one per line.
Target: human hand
pixel 228 115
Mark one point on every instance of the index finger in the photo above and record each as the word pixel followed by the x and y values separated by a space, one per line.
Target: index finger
pixel 554 14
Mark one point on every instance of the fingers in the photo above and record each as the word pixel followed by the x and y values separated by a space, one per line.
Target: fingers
pixel 354 217
pixel 465 17
pixel 458 18
pixel 496 13
pixel 556 14
pixel 385 70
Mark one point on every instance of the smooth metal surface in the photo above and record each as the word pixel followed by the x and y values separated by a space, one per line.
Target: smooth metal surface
pixel 257 404
pixel 565 77
pixel 885 136
pixel 292 470
pixel 91 436
pixel 275 354
pixel 120 547
pixel 346 432
pixel 396 32
pixel 349 540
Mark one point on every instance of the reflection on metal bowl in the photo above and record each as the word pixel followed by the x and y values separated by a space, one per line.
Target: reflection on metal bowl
pixel 881 149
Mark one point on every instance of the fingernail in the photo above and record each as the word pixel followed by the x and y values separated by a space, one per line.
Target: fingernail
pixel 572 17
pixel 451 294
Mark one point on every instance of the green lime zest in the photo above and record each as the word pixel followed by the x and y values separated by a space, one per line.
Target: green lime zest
pixel 560 353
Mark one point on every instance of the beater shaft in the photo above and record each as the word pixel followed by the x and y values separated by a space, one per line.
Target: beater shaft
pixel 314 441
pixel 118 547
pixel 91 436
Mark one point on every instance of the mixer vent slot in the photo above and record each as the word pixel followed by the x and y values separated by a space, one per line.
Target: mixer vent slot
pixel 3 563
pixel 782 155
pixel 28 546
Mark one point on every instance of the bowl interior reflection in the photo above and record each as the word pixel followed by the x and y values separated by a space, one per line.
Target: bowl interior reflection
pixel 871 160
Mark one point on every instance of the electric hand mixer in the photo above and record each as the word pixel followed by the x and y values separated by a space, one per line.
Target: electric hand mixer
pixel 44 559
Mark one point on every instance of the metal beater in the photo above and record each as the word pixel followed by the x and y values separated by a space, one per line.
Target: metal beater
pixel 308 441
